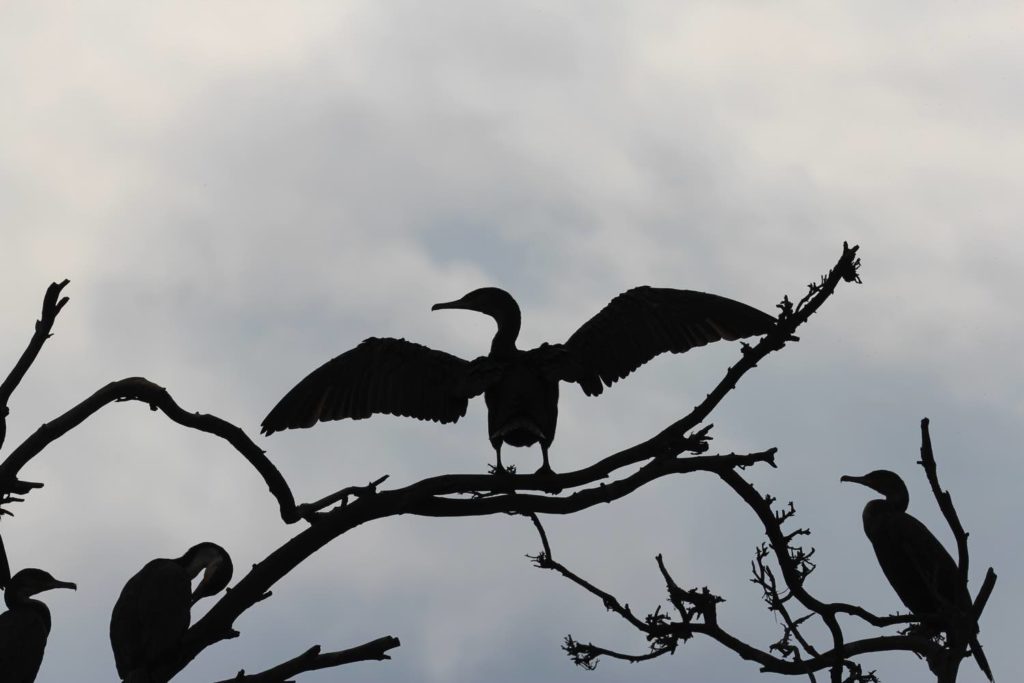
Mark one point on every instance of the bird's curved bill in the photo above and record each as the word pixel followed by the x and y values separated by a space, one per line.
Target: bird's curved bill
pixel 855 480
pixel 63 584
pixel 447 304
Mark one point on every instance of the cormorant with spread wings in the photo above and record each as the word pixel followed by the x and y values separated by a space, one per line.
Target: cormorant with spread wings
pixel 520 387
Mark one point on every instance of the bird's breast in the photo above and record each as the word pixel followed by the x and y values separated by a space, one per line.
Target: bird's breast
pixel 522 406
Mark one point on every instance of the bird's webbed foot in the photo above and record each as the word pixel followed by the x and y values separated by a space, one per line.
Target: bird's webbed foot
pixel 501 470
pixel 545 471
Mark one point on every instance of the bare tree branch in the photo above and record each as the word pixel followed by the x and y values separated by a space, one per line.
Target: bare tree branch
pixel 308 511
pixel 52 305
pixel 945 501
pixel 587 655
pixel 958 639
pixel 697 611
pixel 790 318
pixel 698 614
pixel 545 561
pixel 792 574
pixel 313 659
pixel 422 498
pixel 141 389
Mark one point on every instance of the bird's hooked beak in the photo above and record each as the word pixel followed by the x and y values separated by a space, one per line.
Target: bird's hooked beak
pixel 458 303
pixel 200 591
pixel 58 584
pixel 856 480
pixel 216 576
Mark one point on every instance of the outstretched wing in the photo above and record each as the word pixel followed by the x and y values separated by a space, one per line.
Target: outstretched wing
pixel 639 324
pixel 390 376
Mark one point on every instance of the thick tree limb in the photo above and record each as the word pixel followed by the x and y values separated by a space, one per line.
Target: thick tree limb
pixel 421 498
pixel 313 659
pixel 141 389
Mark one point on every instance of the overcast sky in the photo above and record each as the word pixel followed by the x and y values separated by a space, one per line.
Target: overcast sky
pixel 240 191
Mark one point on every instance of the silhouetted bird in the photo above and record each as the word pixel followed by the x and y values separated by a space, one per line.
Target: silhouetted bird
pixel 5 567
pixel 25 626
pixel 920 570
pixel 154 609
pixel 520 387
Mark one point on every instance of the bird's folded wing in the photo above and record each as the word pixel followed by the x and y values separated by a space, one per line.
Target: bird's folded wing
pixel 644 322
pixel 931 563
pixel 391 376
pixel 14 641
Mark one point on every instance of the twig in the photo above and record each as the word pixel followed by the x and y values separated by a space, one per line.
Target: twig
pixel 587 655
pixel 790 572
pixel 545 561
pixel 543 535
pixel 309 511
pixel 52 305
pixel 313 659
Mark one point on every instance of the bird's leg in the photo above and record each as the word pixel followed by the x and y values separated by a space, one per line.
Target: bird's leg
pixel 498 469
pixel 545 468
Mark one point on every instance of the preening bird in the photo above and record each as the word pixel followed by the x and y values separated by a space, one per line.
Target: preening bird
pixel 520 387
pixel 154 608
pixel 920 570
pixel 25 626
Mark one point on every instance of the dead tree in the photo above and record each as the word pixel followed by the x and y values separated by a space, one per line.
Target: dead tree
pixel 678 449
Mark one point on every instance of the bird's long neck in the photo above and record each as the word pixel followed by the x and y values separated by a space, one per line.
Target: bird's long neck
pixel 14 598
pixel 19 601
pixel 509 321
pixel 898 499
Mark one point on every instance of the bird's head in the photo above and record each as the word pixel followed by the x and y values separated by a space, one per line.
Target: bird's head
pixel 28 582
pixel 491 301
pixel 886 482
pixel 214 562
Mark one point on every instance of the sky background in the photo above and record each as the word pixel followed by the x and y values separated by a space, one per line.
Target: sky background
pixel 240 191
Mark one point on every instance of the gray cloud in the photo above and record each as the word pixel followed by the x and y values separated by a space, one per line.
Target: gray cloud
pixel 221 184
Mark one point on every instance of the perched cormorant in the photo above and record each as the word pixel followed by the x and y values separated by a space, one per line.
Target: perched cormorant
pixel 920 570
pixel 25 626
pixel 154 609
pixel 520 387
